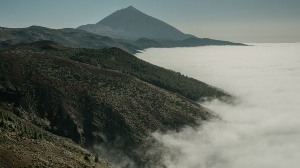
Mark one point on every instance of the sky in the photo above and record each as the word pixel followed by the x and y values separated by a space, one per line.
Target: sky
pixel 234 20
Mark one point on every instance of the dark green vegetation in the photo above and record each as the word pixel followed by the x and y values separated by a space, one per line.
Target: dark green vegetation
pixel 117 59
pixel 94 96
pixel 68 37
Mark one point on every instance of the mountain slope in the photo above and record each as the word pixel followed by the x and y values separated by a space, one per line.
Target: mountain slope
pixel 69 37
pixel 23 144
pixel 89 104
pixel 130 23
pixel 116 59
pixel 143 31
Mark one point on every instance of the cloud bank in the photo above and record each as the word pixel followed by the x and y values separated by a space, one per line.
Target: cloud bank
pixel 262 130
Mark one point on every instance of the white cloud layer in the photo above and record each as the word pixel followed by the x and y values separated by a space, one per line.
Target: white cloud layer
pixel 262 130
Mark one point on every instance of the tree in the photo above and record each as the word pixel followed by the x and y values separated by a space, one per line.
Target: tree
pixel 96 158
pixel 86 157
pixel 2 120
pixel 36 135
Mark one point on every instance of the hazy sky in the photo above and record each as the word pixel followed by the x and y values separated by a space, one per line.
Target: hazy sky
pixel 235 20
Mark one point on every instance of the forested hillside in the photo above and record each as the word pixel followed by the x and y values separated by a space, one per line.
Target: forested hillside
pixel 98 97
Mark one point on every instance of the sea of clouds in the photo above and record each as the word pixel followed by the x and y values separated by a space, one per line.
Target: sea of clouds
pixel 262 130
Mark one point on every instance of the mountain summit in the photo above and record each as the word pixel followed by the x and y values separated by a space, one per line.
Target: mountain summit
pixel 130 23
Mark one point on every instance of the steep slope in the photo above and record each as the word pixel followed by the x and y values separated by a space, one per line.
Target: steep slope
pixel 130 23
pixel 89 104
pixel 116 59
pixel 23 144
pixel 69 37
pixel 143 31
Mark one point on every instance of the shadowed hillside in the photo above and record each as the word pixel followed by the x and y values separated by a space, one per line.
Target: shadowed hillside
pixel 23 144
pixel 69 37
pixel 116 59
pixel 91 104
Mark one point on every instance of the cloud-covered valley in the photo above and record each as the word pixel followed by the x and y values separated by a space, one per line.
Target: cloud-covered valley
pixel 262 130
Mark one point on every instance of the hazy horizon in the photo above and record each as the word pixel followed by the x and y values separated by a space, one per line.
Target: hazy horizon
pixel 262 129
pixel 235 20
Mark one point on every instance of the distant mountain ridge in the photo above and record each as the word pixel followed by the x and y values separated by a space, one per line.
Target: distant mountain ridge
pixel 82 39
pixel 130 23
pixel 68 36
pixel 140 30
pixel 128 29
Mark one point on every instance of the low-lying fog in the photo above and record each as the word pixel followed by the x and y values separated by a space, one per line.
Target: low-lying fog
pixel 262 130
